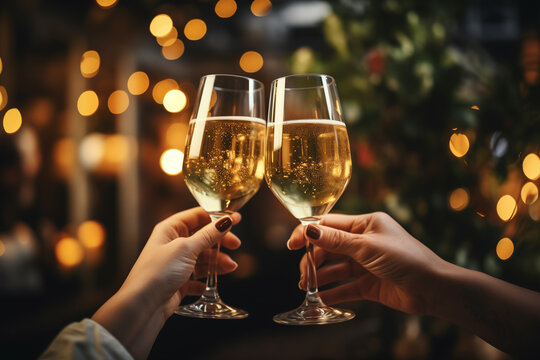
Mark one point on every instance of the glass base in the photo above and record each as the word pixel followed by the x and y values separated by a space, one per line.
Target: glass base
pixel 314 315
pixel 211 309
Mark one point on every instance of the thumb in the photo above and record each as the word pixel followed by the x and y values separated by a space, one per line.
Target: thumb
pixel 333 240
pixel 209 235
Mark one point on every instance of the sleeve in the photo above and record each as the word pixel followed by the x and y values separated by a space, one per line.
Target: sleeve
pixel 85 340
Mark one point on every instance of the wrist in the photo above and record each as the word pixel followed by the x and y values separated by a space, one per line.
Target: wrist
pixel 440 288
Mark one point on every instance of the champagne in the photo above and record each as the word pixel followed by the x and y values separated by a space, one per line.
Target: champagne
pixel 308 165
pixel 224 161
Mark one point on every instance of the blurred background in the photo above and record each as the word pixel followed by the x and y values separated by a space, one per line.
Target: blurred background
pixel 442 104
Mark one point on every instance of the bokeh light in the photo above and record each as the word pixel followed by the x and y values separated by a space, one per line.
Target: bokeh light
pixel 195 29
pixel 162 88
pixel 91 234
pixel 175 136
pixel 12 120
pixel 69 252
pixel 92 150
pixel 106 3
pixel 529 193
pixel 64 152
pixel 505 248
pixel 118 102
pixel 161 25
pixel 116 152
pixel 459 144
pixel 169 38
pixel 138 83
pixel 475 107
pixel 251 61
pixel 88 103
pixel 261 7
pixel 2 248
pixel 175 101
pixel 458 199
pixel 531 166
pixel 506 207
pixel 3 97
pixel 90 62
pixel 171 161
pixel 1 65
pixel 225 8
pixel 173 51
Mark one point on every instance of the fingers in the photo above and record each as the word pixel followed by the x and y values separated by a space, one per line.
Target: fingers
pixel 230 241
pixel 334 240
pixel 342 293
pixel 224 264
pixel 297 240
pixel 210 234
pixel 319 257
pixel 347 222
pixel 192 288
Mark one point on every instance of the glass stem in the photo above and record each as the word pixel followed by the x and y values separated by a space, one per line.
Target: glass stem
pixel 211 292
pixel 312 294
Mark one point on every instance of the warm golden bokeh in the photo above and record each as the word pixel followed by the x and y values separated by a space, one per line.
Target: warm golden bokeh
pixel 162 88
pixel 3 97
pixel 169 38
pixel 195 29
pixel 106 3
pixel 505 248
pixel 116 152
pixel 531 166
pixel 69 252
pixel 529 193
pixel 118 102
pixel 64 155
pixel 12 120
pixel 91 234
pixel 474 107
pixel 506 207
pixel 251 61
pixel 138 83
pixel 261 7
pixel 2 248
pixel 175 101
pixel 92 150
pixel 88 103
pixel 171 161
pixel 175 136
pixel 458 199
pixel 225 8
pixel 459 144
pixel 90 62
pixel 1 65
pixel 173 51
pixel 161 25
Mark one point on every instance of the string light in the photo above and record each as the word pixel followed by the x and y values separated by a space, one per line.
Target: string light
pixel 88 103
pixel 261 7
pixel 138 83
pixel 118 102
pixel 531 166
pixel 459 199
pixel 69 252
pixel 161 25
pixel 505 248
pixel 173 51
pixel 175 101
pixel 3 97
pixel 90 62
pixel 91 234
pixel 106 3
pixel 12 120
pixel 459 144
pixel 225 8
pixel 162 88
pixel 195 29
pixel 171 161
pixel 529 193
pixel 506 207
pixel 251 61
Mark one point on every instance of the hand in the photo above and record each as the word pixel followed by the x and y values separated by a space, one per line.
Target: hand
pixel 177 248
pixel 375 257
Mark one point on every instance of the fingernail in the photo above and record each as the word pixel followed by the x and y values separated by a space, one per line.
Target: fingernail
pixel 300 282
pixel 288 245
pixel 223 224
pixel 313 232
pixel 235 265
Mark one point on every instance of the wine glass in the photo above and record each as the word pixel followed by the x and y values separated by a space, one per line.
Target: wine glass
pixel 223 164
pixel 308 166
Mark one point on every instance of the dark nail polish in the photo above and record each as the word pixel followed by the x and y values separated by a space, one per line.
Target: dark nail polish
pixel 224 223
pixel 313 232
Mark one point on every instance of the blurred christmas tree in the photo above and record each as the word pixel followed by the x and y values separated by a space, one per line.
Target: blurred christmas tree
pixel 439 132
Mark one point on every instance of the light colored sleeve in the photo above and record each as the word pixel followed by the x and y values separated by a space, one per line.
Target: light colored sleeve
pixel 85 340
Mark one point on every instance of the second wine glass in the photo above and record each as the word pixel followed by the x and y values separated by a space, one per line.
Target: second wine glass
pixel 223 164
pixel 308 166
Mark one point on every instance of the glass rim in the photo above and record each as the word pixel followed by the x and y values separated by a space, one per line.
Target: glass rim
pixel 322 76
pixel 260 87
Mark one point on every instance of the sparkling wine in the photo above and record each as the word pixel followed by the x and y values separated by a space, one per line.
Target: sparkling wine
pixel 224 161
pixel 308 165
